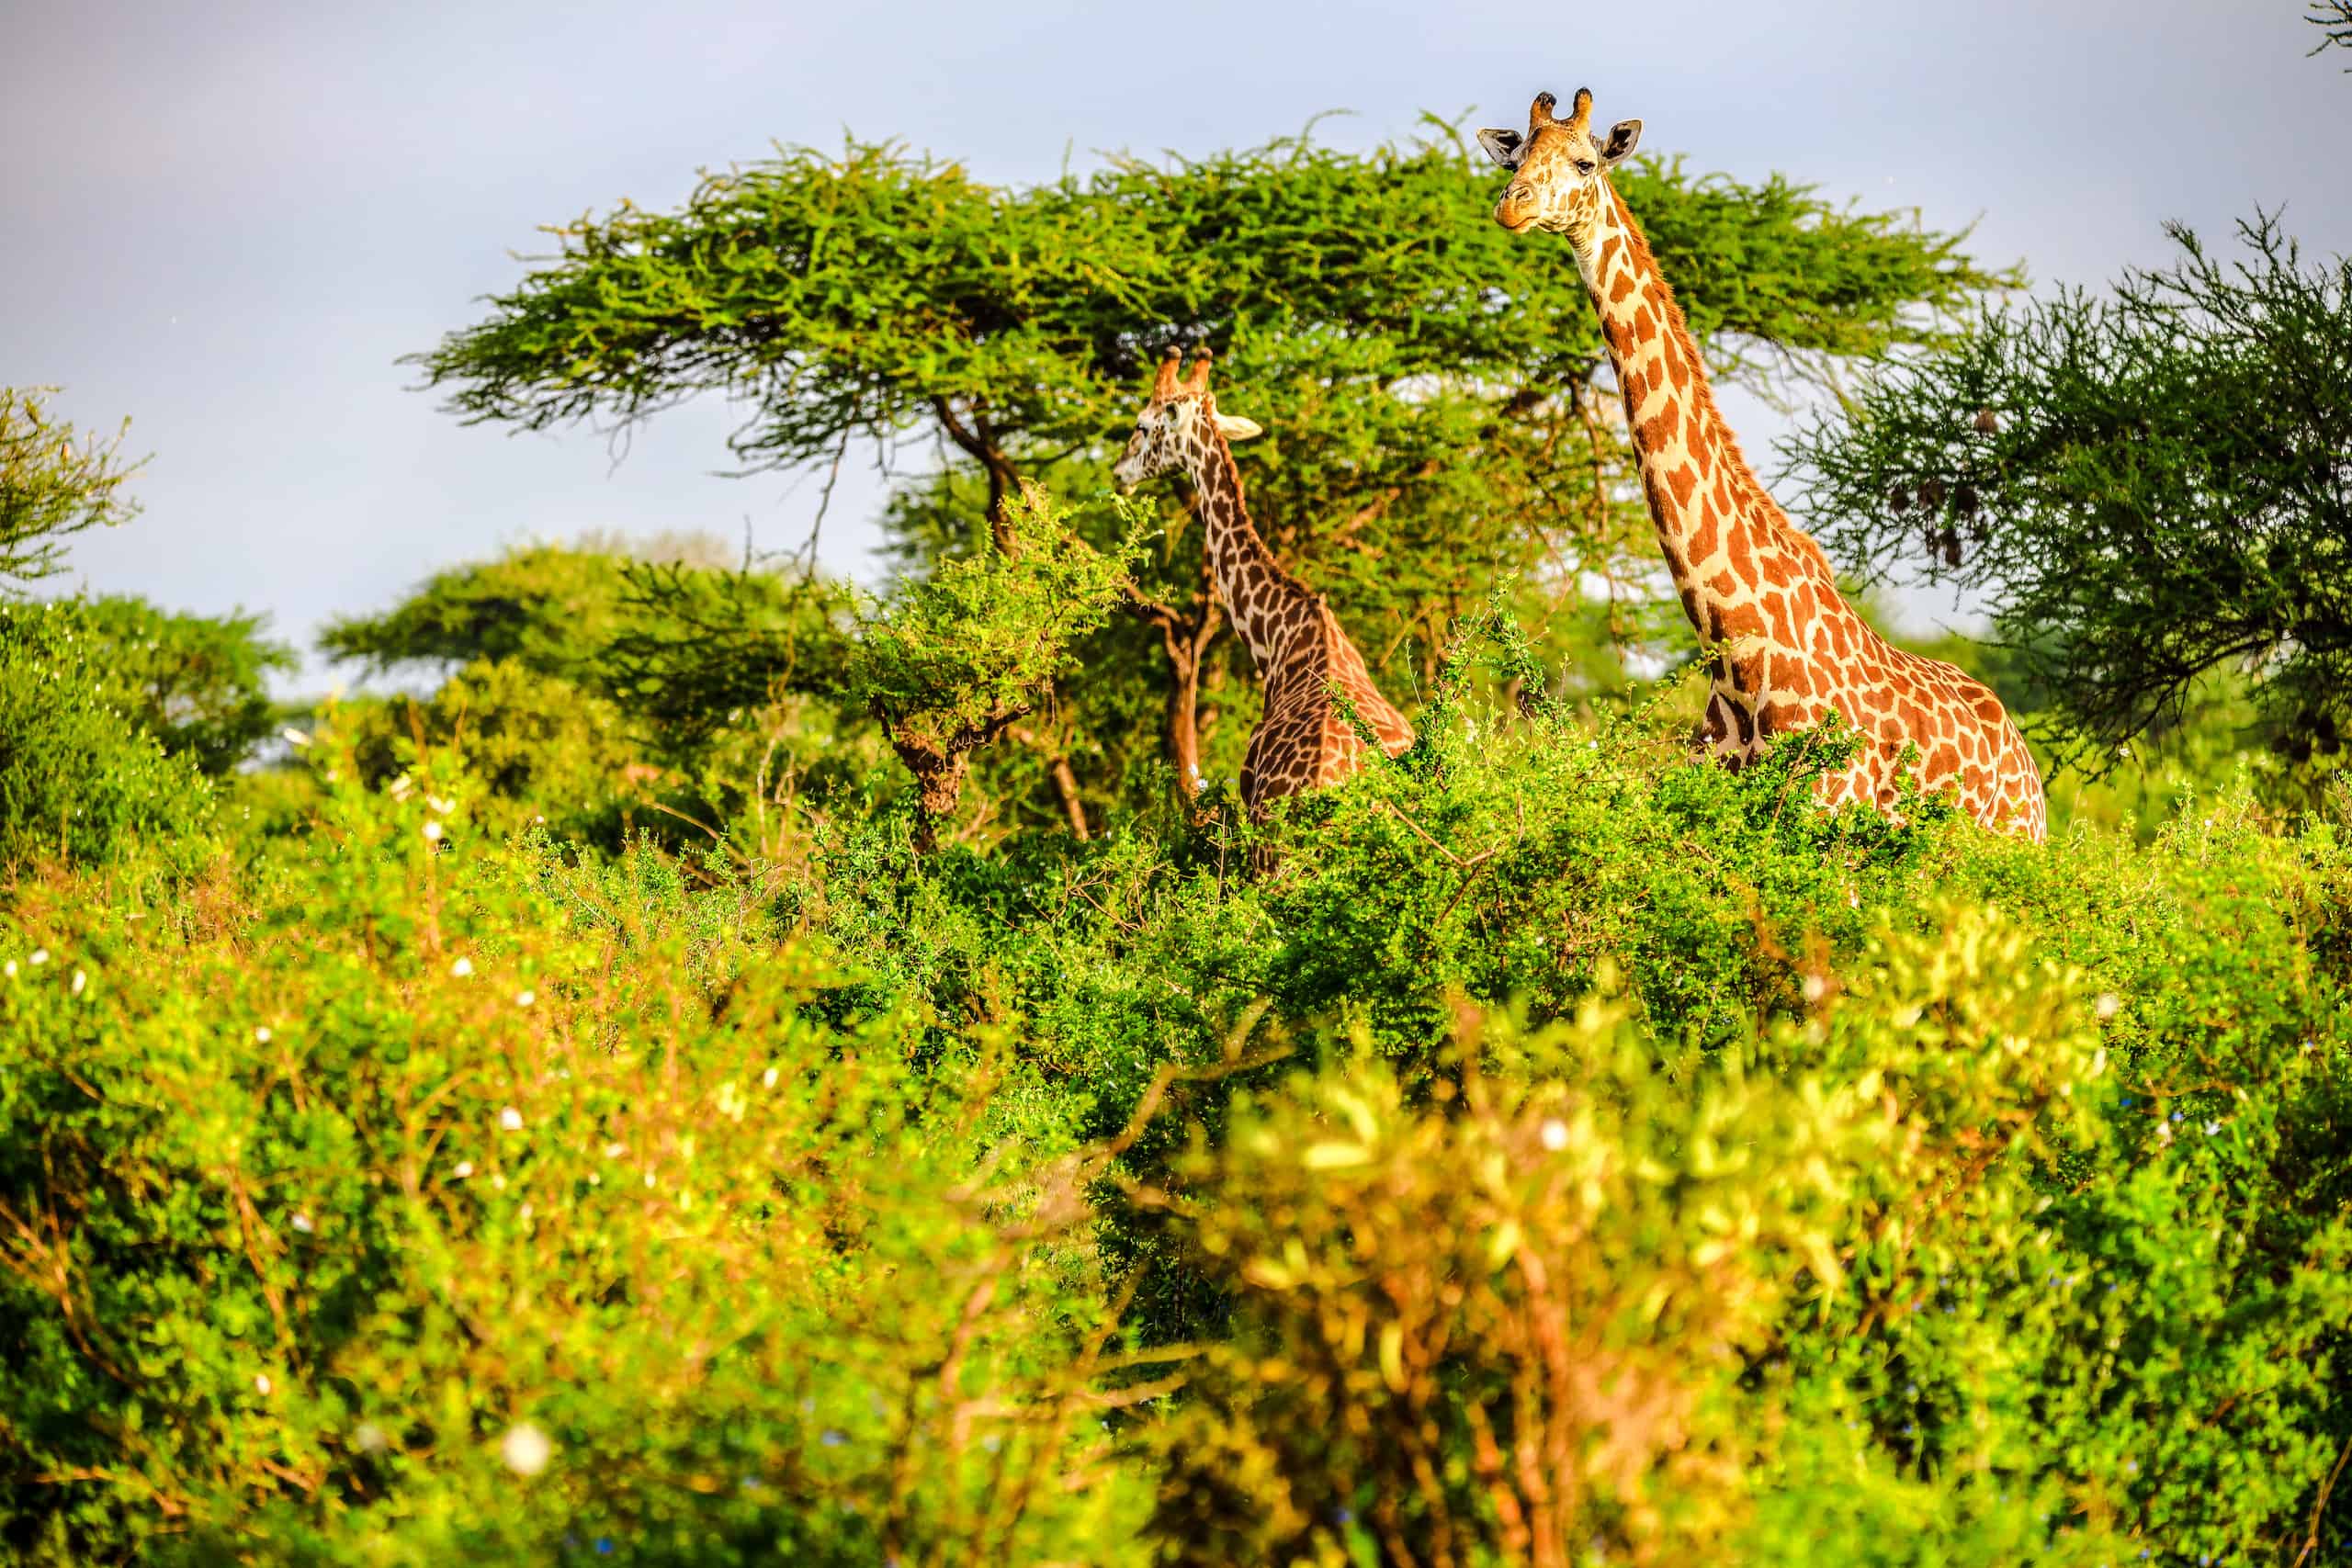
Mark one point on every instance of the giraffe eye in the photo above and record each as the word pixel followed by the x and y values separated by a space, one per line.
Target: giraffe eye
pixel 1585 166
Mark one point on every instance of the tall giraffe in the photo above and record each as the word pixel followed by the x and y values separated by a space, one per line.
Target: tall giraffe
pixel 1303 741
pixel 1783 646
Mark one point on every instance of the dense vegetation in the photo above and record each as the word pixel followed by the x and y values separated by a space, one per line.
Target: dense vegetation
pixel 735 1068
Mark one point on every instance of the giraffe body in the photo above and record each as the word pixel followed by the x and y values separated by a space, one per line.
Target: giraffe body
pixel 1303 740
pixel 1782 646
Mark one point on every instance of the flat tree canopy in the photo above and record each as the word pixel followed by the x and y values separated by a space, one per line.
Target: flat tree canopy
pixel 2144 486
pixel 1428 381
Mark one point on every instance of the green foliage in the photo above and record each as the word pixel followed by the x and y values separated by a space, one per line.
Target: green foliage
pixel 950 661
pixel 83 777
pixel 53 484
pixel 605 686
pixel 702 648
pixel 2152 485
pixel 200 681
pixel 540 745
pixel 551 608
pixel 1549 1298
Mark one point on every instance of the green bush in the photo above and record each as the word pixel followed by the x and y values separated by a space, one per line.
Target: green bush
pixel 200 681
pixel 82 778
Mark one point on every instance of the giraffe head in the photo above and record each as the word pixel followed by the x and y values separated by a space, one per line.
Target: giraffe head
pixel 1175 422
pixel 1558 167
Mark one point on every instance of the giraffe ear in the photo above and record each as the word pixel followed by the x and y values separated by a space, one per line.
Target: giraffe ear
pixel 1505 147
pixel 1233 427
pixel 1622 139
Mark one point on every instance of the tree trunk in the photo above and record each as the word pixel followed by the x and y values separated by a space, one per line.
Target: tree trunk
pixel 1187 640
pixel 1064 778
pixel 1183 738
pixel 976 440
pixel 1065 786
pixel 939 766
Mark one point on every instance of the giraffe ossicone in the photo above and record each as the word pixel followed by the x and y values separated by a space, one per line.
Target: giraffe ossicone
pixel 1303 741
pixel 1783 646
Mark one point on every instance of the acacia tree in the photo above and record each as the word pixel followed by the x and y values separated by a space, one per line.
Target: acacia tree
pixel 1429 388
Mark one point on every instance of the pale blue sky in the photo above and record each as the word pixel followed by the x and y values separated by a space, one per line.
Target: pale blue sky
pixel 230 220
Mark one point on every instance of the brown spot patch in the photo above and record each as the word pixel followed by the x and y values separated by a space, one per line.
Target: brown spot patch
pixel 1743 555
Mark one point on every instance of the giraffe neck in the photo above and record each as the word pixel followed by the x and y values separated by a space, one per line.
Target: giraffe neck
pixel 1725 541
pixel 1264 601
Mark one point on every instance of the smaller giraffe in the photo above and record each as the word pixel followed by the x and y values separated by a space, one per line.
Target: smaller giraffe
pixel 1303 741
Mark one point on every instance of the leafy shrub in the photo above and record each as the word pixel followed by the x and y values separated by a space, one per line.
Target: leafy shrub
pixel 81 778
pixel 200 681
pixel 551 608
pixel 535 746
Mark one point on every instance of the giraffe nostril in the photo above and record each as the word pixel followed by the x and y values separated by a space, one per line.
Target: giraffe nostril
pixel 1522 193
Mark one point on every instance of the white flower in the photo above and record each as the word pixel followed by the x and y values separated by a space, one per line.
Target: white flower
pixel 1813 988
pixel 462 967
pixel 369 1438
pixel 11 970
pixel 2211 1128
pixel 525 1449
pixel 614 1151
pixel 398 788
pixel 294 737
pixel 767 1079
pixel 439 807
pixel 511 1119
pixel 2109 1004
pixel 648 1178
pixel 261 1035
pixel 465 1168
pixel 80 980
pixel 433 832
pixel 1554 1133
pixel 525 998
pixel 261 1383
pixel 40 956
pixel 302 1224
